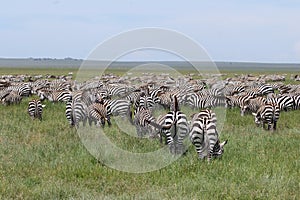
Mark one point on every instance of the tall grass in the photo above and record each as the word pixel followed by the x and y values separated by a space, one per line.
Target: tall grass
pixel 46 160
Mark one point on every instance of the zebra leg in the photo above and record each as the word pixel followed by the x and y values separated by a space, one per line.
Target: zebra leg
pixel 102 122
pixel 269 125
pixel 129 115
pixel 170 141
pixel 274 126
pixel 108 121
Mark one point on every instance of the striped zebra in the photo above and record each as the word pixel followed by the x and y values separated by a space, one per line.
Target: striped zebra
pixel 195 100
pixel 76 111
pixel 237 101
pixel 296 98
pixel 175 128
pixel 267 114
pixel 55 95
pixel 214 101
pixel 265 89
pixel 285 102
pixel 144 100
pixel 23 89
pixel 252 105
pixel 118 107
pixel 143 121
pixel 13 97
pixel 204 135
pixel 148 98
pixel 160 120
pixel 59 84
pixel 237 89
pixel 97 113
pixel 118 90
pixel 35 109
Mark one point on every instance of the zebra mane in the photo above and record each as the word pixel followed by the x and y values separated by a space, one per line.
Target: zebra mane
pixel 175 103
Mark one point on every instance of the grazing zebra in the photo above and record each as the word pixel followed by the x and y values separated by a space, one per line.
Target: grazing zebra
pixel 76 111
pixel 204 135
pixel 285 102
pixel 21 89
pixel 117 90
pixel 148 98
pixel 175 128
pixel 35 109
pixel 119 107
pixel 160 120
pixel 13 97
pixel 237 101
pixel 97 113
pixel 236 89
pixel 143 121
pixel 265 89
pixel 55 95
pixel 252 105
pixel 214 101
pixel 195 100
pixel 268 113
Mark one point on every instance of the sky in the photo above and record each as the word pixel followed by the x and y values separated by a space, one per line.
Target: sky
pixel 231 30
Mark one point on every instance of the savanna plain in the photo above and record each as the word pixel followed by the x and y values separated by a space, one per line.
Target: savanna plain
pixel 47 160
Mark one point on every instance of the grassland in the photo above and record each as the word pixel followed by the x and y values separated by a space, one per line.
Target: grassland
pixel 46 160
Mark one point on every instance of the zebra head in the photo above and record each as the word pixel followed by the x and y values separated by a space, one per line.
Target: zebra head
pixel 218 149
pixel 228 102
pixel 244 107
pixel 41 94
pixel 256 118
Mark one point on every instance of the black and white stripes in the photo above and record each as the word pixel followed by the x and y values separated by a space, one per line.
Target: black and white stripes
pixel 35 109
pixel 204 135
pixel 267 114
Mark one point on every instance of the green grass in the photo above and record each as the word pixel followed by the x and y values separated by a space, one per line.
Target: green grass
pixel 46 160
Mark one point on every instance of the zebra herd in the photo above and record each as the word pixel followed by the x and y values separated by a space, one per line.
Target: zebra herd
pixel 96 101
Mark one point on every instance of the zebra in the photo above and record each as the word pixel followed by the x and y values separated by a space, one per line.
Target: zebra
pixel 296 99
pixel 13 97
pixel 97 113
pixel 195 100
pixel 204 135
pixel 265 89
pixel 118 107
pixel 35 109
pixel 23 89
pixel 175 128
pixel 76 111
pixel 285 102
pixel 214 101
pixel 148 98
pixel 143 121
pixel 117 90
pixel 237 89
pixel 238 101
pixel 268 113
pixel 252 105
pixel 55 95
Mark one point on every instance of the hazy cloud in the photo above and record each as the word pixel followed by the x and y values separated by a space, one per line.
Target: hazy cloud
pixel 229 30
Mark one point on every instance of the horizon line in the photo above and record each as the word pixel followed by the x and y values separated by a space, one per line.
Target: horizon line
pixel 133 61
